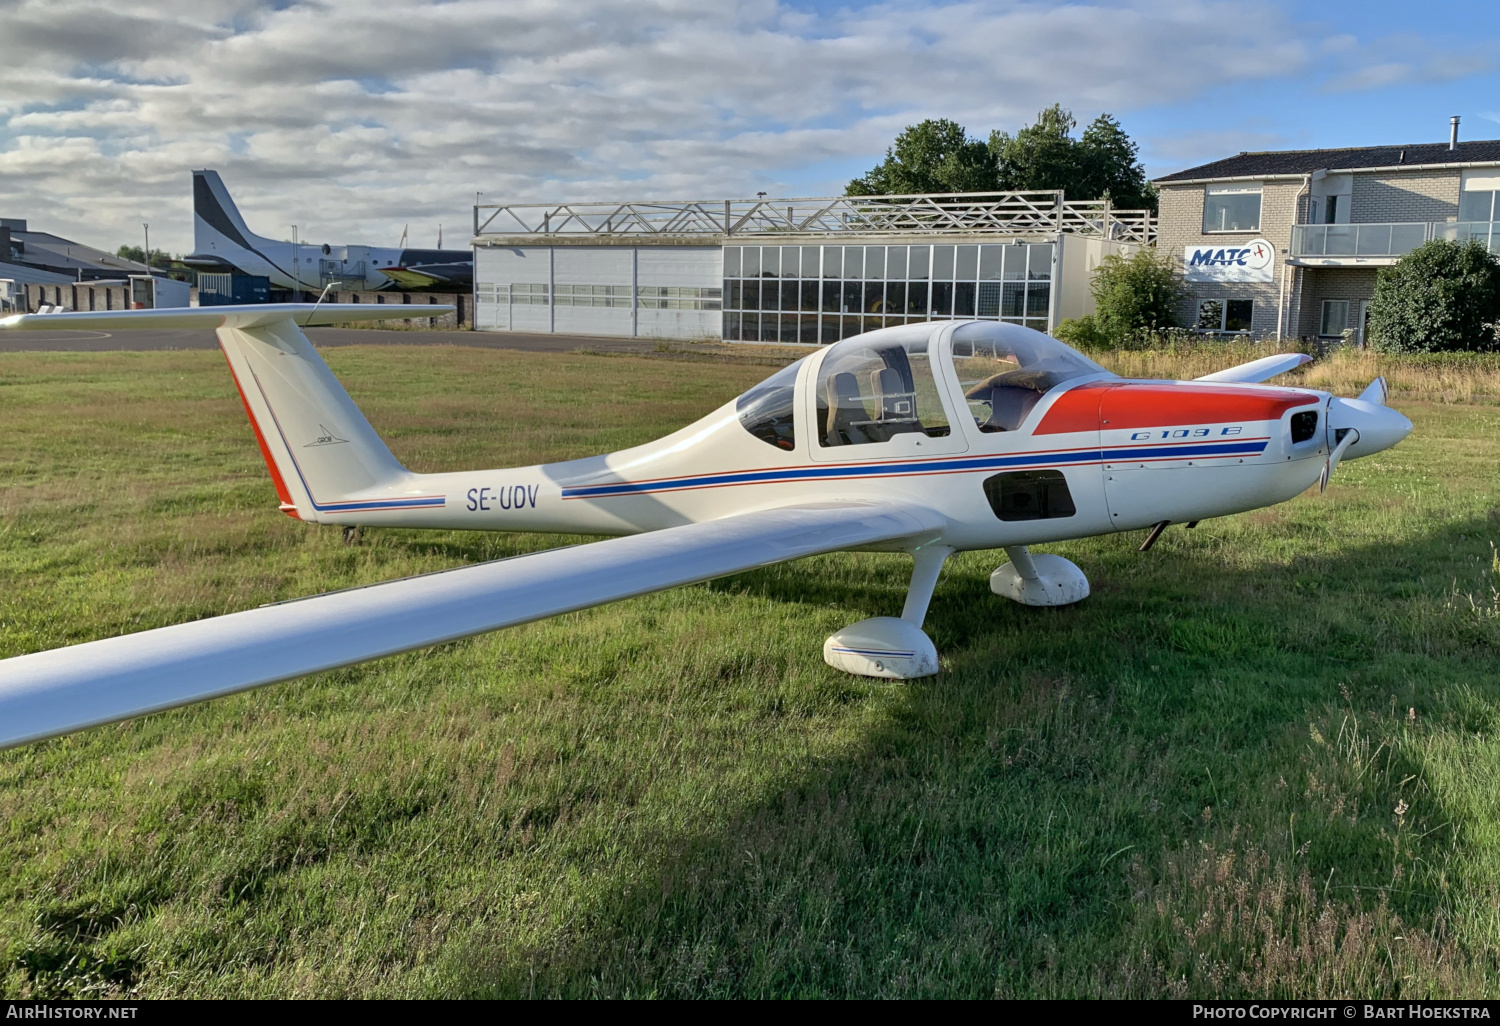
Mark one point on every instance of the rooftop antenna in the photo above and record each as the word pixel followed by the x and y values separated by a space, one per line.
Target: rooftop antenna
pixel 147 229
pixel 1453 132
pixel 296 267
pixel 440 236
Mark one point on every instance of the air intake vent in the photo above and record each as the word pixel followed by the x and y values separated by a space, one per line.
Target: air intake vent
pixel 1304 426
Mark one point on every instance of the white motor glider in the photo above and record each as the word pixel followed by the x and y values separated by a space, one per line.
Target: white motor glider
pixel 926 439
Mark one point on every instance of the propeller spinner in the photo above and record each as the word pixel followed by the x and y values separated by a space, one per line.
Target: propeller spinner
pixel 1362 426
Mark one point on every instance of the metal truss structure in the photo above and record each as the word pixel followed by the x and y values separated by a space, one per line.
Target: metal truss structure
pixel 965 213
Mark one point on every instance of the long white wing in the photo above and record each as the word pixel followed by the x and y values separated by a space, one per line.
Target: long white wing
pixel 1264 369
pixel 304 314
pixel 49 693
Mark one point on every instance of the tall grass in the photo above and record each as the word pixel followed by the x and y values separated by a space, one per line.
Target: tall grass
pixel 1260 760
pixel 1436 377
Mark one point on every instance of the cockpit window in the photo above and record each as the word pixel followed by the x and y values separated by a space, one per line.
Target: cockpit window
pixel 768 410
pixel 1005 369
pixel 872 389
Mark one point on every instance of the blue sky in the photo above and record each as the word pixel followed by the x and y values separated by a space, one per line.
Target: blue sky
pixel 354 119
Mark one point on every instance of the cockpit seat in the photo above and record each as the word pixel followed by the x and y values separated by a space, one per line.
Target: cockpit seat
pixel 898 405
pixel 1011 396
pixel 848 419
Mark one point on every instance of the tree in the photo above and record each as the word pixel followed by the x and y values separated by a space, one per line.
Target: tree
pixel 1042 156
pixel 1109 158
pixel 1136 295
pixel 159 258
pixel 939 156
pixel 1101 164
pixel 1441 297
pixel 934 156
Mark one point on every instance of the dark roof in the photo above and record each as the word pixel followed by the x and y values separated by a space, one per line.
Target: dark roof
pixel 1301 162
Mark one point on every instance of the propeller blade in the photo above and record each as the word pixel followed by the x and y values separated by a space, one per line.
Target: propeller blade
pixel 1350 437
pixel 1375 394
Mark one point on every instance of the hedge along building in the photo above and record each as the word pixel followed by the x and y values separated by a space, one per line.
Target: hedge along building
pixel 1289 243
pixel 792 270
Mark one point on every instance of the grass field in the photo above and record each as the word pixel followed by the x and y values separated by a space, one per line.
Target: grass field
pixel 1261 759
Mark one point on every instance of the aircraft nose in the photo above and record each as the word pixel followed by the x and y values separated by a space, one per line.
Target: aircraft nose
pixel 1379 426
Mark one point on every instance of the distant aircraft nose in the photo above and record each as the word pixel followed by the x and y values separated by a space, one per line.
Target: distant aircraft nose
pixel 1379 426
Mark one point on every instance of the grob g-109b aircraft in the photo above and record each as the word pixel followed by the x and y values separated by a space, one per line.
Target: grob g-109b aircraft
pixel 223 243
pixel 925 439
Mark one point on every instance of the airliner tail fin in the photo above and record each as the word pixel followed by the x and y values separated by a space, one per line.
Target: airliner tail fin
pixel 214 210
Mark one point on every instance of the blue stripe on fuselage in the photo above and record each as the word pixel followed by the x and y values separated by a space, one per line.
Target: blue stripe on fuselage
pixel 902 469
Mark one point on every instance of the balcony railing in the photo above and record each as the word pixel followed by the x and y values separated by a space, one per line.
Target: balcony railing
pixel 1389 240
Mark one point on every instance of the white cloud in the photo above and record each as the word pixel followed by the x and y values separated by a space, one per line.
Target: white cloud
pixel 1407 59
pixel 352 118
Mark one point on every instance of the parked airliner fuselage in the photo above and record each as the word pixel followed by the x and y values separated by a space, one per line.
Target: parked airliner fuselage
pixel 223 242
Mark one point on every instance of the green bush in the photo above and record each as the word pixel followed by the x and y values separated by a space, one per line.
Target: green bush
pixel 1136 296
pixel 1081 333
pixel 1441 297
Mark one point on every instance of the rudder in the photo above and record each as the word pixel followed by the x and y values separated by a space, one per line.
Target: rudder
pixel 326 461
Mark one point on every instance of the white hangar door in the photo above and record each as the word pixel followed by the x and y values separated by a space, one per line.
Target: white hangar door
pixel 680 291
pixel 512 288
pixel 593 290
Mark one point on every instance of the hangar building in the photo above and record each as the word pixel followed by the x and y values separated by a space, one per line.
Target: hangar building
pixel 792 270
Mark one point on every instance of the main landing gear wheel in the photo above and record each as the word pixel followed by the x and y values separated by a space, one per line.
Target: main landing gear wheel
pixel 1042 580
pixel 895 648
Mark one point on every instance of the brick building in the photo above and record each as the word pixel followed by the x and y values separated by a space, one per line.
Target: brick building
pixel 1288 243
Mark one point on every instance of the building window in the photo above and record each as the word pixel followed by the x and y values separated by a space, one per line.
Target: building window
pixel 1225 314
pixel 592 295
pixel 673 297
pixel 522 293
pixel 838 291
pixel 1476 206
pixel 1231 208
pixel 1335 317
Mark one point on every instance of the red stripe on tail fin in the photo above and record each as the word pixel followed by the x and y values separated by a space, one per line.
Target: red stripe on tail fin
pixel 287 505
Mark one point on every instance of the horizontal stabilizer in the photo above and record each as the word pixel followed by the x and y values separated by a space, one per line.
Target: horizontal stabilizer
pixel 1263 369
pixel 45 694
pixel 305 315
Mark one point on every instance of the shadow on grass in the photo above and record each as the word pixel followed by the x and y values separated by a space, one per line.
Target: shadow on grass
pixel 1183 785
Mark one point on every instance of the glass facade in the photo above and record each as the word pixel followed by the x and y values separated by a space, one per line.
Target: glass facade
pixel 821 294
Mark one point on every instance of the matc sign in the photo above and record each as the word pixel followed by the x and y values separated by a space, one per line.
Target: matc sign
pixel 1237 261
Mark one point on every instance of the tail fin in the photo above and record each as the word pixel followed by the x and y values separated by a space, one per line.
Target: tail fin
pixel 326 460
pixel 213 209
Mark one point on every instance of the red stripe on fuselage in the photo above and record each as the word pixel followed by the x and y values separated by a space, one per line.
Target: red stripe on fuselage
pixel 1126 405
pixel 287 505
pixel 1077 409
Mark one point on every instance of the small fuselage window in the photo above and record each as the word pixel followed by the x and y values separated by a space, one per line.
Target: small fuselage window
pixel 1030 495
pixel 768 411
pixel 1304 426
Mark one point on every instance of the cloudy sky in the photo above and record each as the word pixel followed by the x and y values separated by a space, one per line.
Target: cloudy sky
pixel 351 119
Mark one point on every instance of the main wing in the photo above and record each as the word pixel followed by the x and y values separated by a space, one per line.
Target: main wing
pixel 1264 369
pixel 304 315
pixel 50 693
